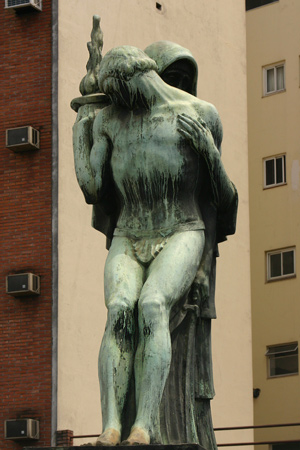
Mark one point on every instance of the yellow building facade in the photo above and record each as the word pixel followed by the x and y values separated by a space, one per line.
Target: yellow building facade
pixel 273 49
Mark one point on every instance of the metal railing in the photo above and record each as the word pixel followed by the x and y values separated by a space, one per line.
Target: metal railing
pixel 234 444
pixel 254 427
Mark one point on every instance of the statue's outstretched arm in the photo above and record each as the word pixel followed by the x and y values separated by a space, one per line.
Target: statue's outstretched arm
pixel 201 139
pixel 91 153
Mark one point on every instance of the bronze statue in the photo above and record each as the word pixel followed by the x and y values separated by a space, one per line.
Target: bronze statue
pixel 152 169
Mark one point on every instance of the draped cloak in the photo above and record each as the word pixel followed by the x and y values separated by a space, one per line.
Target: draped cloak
pixel 184 415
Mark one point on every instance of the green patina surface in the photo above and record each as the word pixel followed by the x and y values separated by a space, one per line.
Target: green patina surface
pixel 150 164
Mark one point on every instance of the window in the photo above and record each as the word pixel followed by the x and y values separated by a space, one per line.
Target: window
pixel 286 446
pixel 274 171
pixel 251 4
pixel 282 359
pixel 274 78
pixel 281 264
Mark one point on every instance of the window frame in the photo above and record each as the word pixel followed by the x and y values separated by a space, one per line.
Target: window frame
pixel 274 67
pixel 269 354
pixel 268 261
pixel 274 158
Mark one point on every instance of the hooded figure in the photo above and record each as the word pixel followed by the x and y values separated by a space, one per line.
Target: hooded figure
pixel 185 415
pixel 185 408
pixel 168 56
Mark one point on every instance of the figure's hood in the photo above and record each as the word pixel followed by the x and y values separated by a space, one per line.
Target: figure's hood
pixel 166 53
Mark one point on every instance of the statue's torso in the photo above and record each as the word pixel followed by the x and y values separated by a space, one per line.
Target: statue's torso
pixel 156 172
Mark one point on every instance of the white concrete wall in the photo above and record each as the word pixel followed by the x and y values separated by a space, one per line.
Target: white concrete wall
pixel 215 33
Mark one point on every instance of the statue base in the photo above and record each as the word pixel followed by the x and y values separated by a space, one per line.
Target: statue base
pixel 126 447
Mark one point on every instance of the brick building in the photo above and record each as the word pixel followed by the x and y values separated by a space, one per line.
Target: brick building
pixel 27 243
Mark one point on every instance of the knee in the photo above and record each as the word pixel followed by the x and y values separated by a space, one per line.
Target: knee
pixel 152 308
pixel 120 314
pixel 116 303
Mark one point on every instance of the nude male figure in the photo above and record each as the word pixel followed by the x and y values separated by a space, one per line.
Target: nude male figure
pixel 144 143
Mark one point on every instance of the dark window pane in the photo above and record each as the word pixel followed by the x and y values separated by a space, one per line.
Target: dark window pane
pixel 279 172
pixel 288 262
pixel 279 78
pixel 284 365
pixel 270 175
pixel 275 264
pixel 270 80
pixel 250 4
pixel 287 446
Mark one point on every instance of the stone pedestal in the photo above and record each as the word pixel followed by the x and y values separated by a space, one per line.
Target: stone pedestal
pixel 123 447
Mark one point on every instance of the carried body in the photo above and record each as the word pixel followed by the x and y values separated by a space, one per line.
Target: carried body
pixel 156 172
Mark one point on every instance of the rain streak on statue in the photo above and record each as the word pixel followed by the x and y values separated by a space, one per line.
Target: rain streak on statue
pixel 161 195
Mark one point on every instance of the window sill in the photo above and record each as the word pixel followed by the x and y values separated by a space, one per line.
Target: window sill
pixel 273 93
pixel 265 188
pixel 284 277
pixel 282 376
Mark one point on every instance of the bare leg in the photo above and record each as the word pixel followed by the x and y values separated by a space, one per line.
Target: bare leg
pixel 170 276
pixel 123 278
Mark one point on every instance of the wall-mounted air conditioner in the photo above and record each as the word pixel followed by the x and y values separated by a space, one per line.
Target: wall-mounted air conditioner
pixel 22 429
pixel 23 284
pixel 16 4
pixel 22 139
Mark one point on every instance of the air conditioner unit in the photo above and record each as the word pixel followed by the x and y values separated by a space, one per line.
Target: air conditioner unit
pixel 22 429
pixel 22 139
pixel 16 4
pixel 23 284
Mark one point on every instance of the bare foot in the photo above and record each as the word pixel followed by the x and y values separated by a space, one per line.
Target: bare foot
pixel 110 437
pixel 89 444
pixel 138 436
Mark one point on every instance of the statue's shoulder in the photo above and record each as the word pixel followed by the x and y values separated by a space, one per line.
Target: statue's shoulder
pixel 207 110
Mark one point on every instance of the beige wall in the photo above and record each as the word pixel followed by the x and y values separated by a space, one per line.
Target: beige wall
pixel 273 35
pixel 215 33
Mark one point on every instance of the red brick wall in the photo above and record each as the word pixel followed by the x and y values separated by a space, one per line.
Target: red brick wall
pixel 25 238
